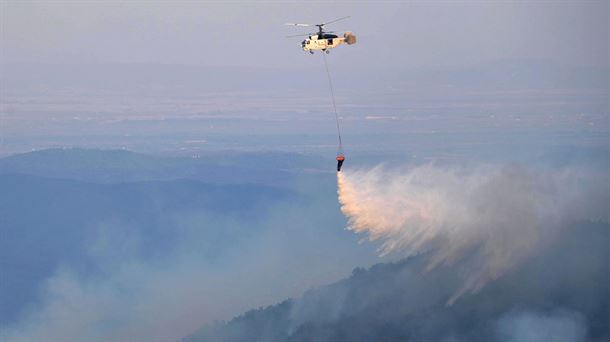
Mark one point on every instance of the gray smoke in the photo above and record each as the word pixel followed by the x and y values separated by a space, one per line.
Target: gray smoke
pixel 557 326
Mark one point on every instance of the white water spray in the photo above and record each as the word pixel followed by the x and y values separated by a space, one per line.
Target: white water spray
pixel 487 222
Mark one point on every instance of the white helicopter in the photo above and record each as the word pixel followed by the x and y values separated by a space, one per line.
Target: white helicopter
pixel 322 40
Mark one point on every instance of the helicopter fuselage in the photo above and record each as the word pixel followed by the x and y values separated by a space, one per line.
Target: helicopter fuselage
pixel 327 41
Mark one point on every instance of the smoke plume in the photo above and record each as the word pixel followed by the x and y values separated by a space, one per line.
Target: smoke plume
pixel 485 223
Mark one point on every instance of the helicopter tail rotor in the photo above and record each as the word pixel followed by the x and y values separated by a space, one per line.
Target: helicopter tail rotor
pixel 349 38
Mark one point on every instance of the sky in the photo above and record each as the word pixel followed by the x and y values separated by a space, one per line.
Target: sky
pixel 251 34
pixel 122 74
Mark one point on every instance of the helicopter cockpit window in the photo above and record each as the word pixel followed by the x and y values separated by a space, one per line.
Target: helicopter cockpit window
pixel 329 36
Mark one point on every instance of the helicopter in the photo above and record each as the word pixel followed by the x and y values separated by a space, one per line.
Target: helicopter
pixel 323 40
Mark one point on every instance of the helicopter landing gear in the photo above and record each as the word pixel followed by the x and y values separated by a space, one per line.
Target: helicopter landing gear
pixel 311 52
pixel 327 51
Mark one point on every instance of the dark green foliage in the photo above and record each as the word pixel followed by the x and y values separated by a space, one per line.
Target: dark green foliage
pixel 403 302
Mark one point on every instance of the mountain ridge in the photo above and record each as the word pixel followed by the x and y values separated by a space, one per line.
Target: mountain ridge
pixel 403 301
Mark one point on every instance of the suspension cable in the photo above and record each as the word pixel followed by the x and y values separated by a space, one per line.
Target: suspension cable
pixel 332 93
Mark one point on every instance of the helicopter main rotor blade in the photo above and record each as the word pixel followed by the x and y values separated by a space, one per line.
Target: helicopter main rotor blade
pixel 300 35
pixel 293 24
pixel 332 21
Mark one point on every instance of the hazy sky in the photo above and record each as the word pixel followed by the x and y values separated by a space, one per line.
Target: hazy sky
pixel 397 34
